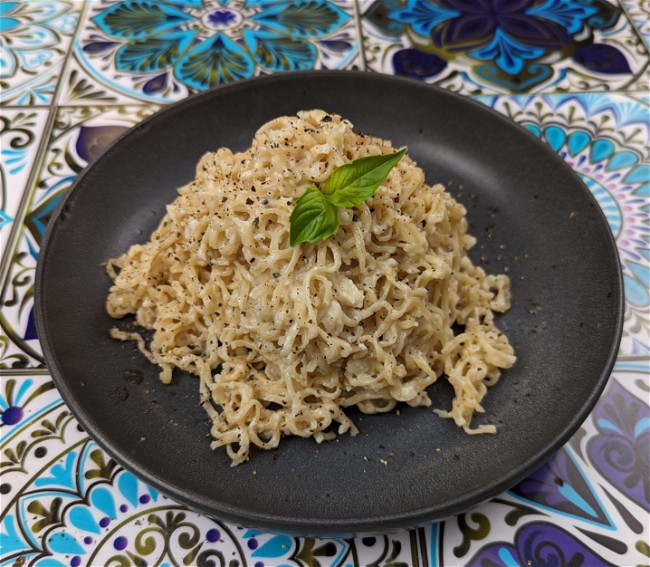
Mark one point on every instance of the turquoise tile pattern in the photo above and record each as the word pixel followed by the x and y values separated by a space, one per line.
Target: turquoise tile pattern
pixel 36 37
pixel 74 75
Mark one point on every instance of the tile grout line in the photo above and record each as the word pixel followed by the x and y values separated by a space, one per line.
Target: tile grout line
pixel 30 186
pixel 422 537
pixel 629 19
pixel 413 542
pixel 633 358
pixel 637 33
pixel 362 50
pixel 17 226
pixel 28 371
pixel 68 55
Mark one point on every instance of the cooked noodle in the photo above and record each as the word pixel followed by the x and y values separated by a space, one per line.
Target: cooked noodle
pixel 285 338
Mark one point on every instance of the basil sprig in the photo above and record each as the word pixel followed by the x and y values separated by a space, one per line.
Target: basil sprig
pixel 314 218
pixel 316 215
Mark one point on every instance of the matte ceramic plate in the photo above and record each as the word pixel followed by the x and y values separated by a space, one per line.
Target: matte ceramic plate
pixel 532 216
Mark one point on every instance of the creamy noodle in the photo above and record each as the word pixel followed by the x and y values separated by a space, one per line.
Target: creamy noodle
pixel 284 339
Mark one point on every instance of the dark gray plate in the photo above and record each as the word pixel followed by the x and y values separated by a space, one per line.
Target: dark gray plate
pixel 565 322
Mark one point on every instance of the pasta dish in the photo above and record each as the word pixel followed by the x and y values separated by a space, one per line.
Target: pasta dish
pixel 285 338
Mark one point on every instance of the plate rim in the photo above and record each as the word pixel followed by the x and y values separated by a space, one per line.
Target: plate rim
pixel 315 526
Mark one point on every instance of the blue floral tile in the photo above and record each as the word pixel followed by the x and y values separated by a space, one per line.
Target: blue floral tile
pixel 163 51
pixel 21 131
pixel 505 46
pixel 78 137
pixel 31 416
pixel 604 138
pixel 66 502
pixel 34 39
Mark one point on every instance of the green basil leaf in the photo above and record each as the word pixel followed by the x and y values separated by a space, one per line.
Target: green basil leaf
pixel 354 182
pixel 313 218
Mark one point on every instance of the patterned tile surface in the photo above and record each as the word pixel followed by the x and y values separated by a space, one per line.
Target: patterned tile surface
pixel 639 13
pixel 66 94
pixel 79 135
pixel 68 503
pixel 35 40
pixel 161 52
pixel 504 46
pixel 20 134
